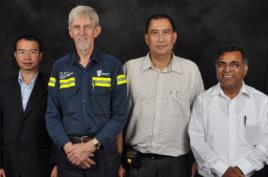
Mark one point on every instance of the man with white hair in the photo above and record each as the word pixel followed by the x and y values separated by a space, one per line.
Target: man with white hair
pixel 87 103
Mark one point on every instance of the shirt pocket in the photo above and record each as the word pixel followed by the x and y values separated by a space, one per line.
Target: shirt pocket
pixel 179 100
pixel 101 85
pixel 68 100
pixel 251 130
pixel 100 96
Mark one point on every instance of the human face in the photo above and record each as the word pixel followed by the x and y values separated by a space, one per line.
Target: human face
pixel 28 55
pixel 83 31
pixel 231 70
pixel 160 37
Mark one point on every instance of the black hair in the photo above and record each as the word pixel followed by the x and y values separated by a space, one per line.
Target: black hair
pixel 156 17
pixel 232 48
pixel 29 37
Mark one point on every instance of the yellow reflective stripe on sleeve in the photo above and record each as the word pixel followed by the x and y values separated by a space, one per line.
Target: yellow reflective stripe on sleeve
pixel 121 82
pixel 66 83
pixel 121 79
pixel 122 76
pixel 52 82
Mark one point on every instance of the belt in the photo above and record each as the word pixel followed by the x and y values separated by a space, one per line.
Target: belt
pixel 155 156
pixel 79 139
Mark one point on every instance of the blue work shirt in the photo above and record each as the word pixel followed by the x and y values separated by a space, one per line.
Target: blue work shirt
pixel 88 101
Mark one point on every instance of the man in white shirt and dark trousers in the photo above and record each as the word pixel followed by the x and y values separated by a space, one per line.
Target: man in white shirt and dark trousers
pixel 229 122
pixel 161 89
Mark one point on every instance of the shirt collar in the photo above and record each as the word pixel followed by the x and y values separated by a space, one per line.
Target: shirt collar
pixel 20 79
pixel 174 66
pixel 75 57
pixel 218 90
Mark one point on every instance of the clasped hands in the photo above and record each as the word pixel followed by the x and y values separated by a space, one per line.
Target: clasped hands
pixel 233 172
pixel 80 154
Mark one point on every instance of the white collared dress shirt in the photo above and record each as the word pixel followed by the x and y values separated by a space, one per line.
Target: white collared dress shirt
pixel 26 89
pixel 228 132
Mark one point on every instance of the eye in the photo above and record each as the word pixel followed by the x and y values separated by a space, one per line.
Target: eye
pixel 166 32
pixel 21 51
pixel 154 33
pixel 34 51
pixel 234 64
pixel 221 64
pixel 88 27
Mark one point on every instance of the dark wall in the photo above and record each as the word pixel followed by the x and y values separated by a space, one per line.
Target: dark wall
pixel 203 26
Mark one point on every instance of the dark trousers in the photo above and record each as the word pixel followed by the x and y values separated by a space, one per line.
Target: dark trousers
pixel 107 164
pixel 262 173
pixel 163 167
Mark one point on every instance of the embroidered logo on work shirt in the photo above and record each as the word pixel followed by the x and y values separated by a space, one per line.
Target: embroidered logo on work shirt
pixel 64 75
pixel 100 73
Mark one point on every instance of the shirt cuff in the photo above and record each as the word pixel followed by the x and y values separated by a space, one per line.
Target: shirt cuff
pixel 219 168
pixel 246 167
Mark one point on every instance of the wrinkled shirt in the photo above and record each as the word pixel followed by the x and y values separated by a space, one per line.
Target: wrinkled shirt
pixel 159 105
pixel 228 132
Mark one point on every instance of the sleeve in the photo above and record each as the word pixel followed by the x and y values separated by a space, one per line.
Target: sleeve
pixel 258 157
pixel 198 83
pixel 53 115
pixel 205 156
pixel 127 71
pixel 118 108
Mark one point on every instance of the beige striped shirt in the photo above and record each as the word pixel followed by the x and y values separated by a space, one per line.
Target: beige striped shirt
pixel 159 105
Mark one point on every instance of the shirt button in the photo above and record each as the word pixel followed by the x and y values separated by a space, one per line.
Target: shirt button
pixel 84 101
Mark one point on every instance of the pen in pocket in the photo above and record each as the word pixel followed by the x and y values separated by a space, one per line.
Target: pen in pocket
pixel 245 120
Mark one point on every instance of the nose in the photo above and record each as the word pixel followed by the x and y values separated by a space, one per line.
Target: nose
pixel 160 37
pixel 227 68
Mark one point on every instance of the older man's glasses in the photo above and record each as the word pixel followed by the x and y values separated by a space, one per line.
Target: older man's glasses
pixel 31 52
pixel 78 28
pixel 232 64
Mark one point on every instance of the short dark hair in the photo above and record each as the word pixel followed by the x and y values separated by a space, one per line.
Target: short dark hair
pixel 29 37
pixel 156 17
pixel 232 48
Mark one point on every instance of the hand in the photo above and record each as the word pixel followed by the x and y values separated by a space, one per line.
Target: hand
pixel 2 173
pixel 121 171
pixel 231 172
pixel 238 170
pixel 68 147
pixel 87 163
pixel 80 153
pixel 54 172
pixel 194 169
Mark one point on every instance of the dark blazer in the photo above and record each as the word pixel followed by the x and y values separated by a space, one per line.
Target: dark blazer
pixel 24 142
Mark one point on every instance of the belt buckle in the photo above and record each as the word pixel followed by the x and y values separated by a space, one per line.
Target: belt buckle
pixel 83 139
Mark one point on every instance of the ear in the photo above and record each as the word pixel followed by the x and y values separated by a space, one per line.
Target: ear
pixel 246 69
pixel 97 31
pixel 174 37
pixel 146 37
pixel 15 54
pixel 40 56
pixel 70 32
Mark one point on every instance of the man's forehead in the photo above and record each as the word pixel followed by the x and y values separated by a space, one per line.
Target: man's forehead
pixel 233 56
pixel 160 24
pixel 23 43
pixel 82 19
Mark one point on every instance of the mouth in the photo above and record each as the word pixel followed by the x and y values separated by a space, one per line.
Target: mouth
pixel 227 76
pixel 161 46
pixel 27 64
